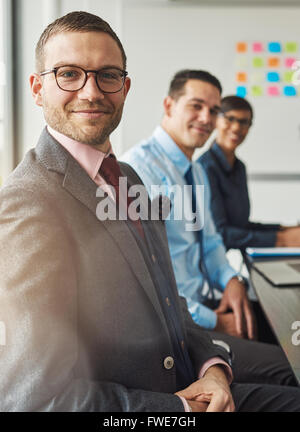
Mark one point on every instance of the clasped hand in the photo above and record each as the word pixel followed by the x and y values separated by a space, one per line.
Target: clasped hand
pixel 210 393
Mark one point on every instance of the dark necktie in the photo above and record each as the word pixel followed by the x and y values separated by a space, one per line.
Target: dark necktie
pixel 190 181
pixel 111 172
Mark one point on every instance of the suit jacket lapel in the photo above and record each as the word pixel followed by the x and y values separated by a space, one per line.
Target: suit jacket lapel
pixel 81 186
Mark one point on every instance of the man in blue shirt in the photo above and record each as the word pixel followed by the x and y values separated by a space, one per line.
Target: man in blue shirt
pixel 165 159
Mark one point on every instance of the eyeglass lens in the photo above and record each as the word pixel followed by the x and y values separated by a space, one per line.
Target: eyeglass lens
pixel 72 78
pixel 241 122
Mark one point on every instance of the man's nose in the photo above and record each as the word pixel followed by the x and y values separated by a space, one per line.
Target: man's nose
pixel 204 115
pixel 235 126
pixel 91 91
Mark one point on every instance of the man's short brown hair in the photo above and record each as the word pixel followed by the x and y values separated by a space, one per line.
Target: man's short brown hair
pixel 179 80
pixel 74 22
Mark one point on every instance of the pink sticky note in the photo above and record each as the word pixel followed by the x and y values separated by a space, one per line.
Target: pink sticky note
pixel 273 91
pixel 257 47
pixel 289 61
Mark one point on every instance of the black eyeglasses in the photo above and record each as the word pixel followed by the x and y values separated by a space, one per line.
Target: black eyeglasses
pixel 244 123
pixel 73 78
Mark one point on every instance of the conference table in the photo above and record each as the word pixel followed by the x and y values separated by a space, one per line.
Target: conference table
pixel 282 309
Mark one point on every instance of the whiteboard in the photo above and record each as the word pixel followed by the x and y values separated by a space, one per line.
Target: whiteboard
pixel 161 38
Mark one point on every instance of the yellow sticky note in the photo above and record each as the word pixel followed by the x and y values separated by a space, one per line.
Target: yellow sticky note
pixel 256 78
pixel 241 62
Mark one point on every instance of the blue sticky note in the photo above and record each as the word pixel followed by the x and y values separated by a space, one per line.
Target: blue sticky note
pixel 289 91
pixel 273 77
pixel 241 91
pixel 274 47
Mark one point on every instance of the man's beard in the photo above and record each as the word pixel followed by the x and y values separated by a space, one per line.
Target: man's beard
pixel 61 122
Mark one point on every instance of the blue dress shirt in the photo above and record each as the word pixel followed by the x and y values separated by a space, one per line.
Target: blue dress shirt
pixel 159 161
pixel 230 204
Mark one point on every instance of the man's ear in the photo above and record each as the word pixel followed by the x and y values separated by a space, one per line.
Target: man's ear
pixel 36 85
pixel 168 105
pixel 127 85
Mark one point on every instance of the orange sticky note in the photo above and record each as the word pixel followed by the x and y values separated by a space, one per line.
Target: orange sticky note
pixel 273 61
pixel 241 47
pixel 241 77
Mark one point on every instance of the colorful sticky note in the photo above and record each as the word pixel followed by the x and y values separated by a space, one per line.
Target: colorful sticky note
pixel 256 91
pixel 273 62
pixel 273 77
pixel 241 91
pixel 241 62
pixel 257 47
pixel 289 61
pixel 241 47
pixel 274 47
pixel 273 91
pixel 256 77
pixel 257 62
pixel 288 76
pixel 241 77
pixel 289 91
pixel 291 47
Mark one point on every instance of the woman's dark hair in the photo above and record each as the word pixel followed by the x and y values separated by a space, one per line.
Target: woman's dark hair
pixel 229 103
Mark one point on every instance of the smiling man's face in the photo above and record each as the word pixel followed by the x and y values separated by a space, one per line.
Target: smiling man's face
pixel 87 115
pixel 191 118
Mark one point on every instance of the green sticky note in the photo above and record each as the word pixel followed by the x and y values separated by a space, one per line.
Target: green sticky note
pixel 257 62
pixel 291 47
pixel 288 76
pixel 256 90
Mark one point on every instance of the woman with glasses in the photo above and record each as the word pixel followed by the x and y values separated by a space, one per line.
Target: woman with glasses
pixel 227 175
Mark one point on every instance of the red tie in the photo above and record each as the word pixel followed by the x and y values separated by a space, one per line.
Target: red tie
pixel 110 171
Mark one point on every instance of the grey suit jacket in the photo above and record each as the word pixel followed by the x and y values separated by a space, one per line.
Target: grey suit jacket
pixel 84 328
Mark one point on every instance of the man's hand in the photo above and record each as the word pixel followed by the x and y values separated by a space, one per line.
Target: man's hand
pixel 226 324
pixel 288 237
pixel 213 390
pixel 235 300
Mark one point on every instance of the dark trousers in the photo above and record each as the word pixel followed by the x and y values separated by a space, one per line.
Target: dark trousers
pixel 265 398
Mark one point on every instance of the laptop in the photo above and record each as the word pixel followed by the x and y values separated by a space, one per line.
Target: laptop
pixel 280 273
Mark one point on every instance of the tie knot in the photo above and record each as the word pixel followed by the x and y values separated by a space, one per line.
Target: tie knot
pixel 110 170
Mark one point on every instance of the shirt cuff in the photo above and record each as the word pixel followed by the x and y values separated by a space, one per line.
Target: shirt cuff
pixel 217 361
pixel 185 404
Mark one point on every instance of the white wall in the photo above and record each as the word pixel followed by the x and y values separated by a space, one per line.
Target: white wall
pixel 159 38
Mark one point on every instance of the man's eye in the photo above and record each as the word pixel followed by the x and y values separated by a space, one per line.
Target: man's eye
pixel 197 106
pixel 111 76
pixel 69 74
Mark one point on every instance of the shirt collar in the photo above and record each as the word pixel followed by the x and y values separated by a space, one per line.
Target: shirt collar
pixel 172 150
pixel 218 152
pixel 88 157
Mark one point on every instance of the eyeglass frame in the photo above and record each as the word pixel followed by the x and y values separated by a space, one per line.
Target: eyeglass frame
pixel 55 69
pixel 235 119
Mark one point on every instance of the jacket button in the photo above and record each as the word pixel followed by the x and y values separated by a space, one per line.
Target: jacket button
pixel 168 363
